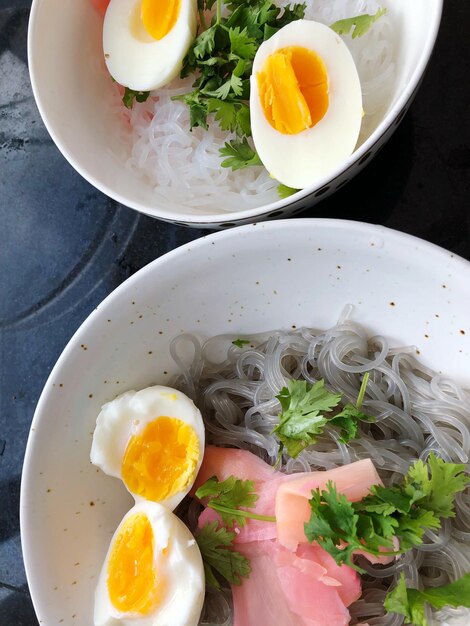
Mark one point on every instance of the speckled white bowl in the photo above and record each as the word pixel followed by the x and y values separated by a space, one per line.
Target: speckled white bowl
pixel 254 278
pixel 72 94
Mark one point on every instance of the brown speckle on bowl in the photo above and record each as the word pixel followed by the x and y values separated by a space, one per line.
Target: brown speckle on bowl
pixel 90 395
pixel 92 503
pixel 462 332
pixel 427 336
pixel 83 346
pixel 392 303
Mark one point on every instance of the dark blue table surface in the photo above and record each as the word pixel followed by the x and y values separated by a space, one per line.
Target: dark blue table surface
pixel 65 246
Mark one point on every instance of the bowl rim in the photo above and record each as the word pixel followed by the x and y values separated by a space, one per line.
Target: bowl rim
pixel 395 236
pixel 206 219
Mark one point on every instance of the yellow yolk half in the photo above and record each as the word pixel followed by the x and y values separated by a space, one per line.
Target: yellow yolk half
pixel 159 16
pixel 161 460
pixel 293 89
pixel 132 580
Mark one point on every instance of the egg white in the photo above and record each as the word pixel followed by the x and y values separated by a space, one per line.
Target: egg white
pixel 137 60
pixel 127 415
pixel 178 562
pixel 299 160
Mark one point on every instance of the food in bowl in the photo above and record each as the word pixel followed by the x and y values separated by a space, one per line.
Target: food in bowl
pixel 198 142
pixel 370 453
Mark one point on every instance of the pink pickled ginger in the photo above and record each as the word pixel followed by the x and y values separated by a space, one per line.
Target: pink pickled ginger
pixel 292 508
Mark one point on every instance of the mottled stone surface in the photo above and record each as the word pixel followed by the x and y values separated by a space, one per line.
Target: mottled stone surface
pixel 65 246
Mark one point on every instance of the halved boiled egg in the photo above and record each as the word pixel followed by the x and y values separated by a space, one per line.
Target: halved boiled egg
pixel 305 103
pixel 152 574
pixel 145 41
pixel 153 440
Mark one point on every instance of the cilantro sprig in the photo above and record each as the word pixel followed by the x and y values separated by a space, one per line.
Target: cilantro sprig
pixel 130 95
pixel 303 416
pixel 219 557
pixel 405 512
pixel 360 24
pixel 216 542
pixel 221 58
pixel 411 602
pixel 227 498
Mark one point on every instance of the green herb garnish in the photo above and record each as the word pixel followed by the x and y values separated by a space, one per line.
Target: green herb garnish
pixel 284 191
pixel 240 343
pixel 303 417
pixel 222 58
pixel 411 602
pixel 360 24
pixel 218 555
pixel 239 154
pixel 403 512
pixel 130 95
pixel 228 496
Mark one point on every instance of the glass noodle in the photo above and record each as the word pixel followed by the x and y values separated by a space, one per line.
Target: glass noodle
pixel 417 412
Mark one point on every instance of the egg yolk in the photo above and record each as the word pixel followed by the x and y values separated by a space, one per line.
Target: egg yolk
pixel 293 89
pixel 161 460
pixel 159 16
pixel 132 581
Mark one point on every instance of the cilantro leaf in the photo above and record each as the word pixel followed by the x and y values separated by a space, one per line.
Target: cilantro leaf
pixel 291 13
pixel 241 342
pixel 130 95
pixel 216 546
pixel 228 496
pixel 403 511
pixel 239 154
pixel 303 414
pixel 411 602
pixel 302 417
pixel 435 488
pixel 205 42
pixel 198 110
pixel 241 44
pixel 360 24
pixel 284 191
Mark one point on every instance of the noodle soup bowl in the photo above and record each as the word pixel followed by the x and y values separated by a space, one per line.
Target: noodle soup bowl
pixel 84 115
pixel 253 279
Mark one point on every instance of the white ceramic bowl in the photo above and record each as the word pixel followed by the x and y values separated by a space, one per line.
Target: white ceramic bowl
pixel 73 93
pixel 254 278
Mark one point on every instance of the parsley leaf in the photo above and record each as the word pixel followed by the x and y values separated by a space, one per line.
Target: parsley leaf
pixel 241 342
pixel 239 154
pixel 360 23
pixel 218 556
pixel 411 602
pixel 130 95
pixel 405 511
